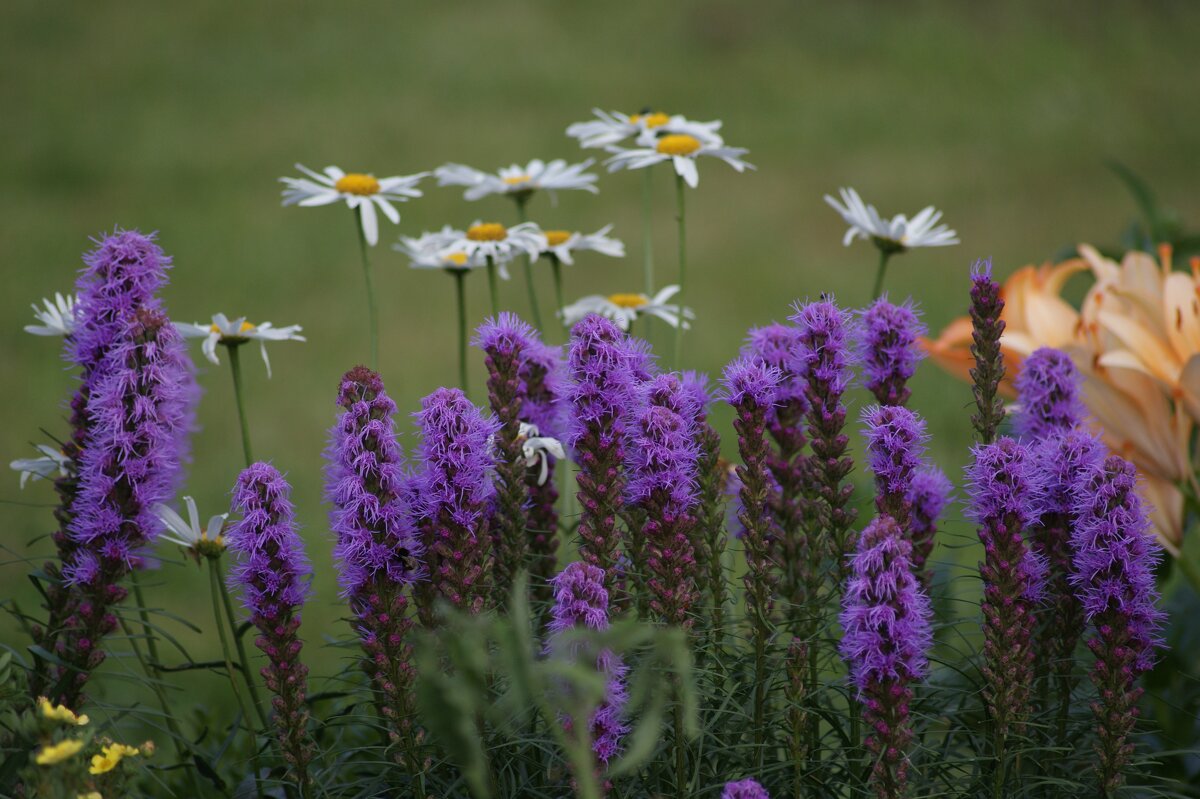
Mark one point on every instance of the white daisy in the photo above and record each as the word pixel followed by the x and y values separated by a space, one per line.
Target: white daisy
pixel 624 309
pixel 613 127
pixel 682 149
pixel 53 463
pixel 236 332
pixel 57 318
pixel 362 192
pixel 434 250
pixel 538 450
pixel 484 240
pixel 517 180
pixel 561 243
pixel 190 535
pixel 890 235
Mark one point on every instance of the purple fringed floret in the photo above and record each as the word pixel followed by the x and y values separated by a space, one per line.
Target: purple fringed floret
pixel 544 373
pixel 895 447
pixel 744 789
pixel 751 380
pixel 887 336
pixel 928 496
pixel 775 344
pixel 1048 387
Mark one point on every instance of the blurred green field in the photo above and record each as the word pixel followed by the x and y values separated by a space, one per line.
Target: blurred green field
pixel 180 118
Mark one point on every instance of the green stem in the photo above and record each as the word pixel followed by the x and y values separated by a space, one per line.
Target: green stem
pixel 681 780
pixel 528 262
pixel 556 270
pixel 647 231
pixel 237 642
pixel 492 285
pixel 679 201
pixel 372 311
pixel 460 290
pixel 884 256
pixel 1001 765
pixel 235 365
pixel 215 583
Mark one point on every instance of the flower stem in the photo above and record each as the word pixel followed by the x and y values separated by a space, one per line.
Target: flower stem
pixel 679 198
pixel 884 256
pixel 556 270
pixel 492 286
pixel 372 311
pixel 235 365
pixel 533 300
pixel 237 641
pixel 460 290
pixel 647 231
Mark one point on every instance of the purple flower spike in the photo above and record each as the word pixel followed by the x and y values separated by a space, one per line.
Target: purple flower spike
pixel 744 789
pixel 895 446
pixel 272 573
pixel 777 346
pixel 454 496
pixel 1005 500
pixel 886 616
pixel 1048 386
pixel 987 326
pixel 927 498
pixel 887 348
pixel 823 359
pixel 1115 556
pixel 378 551
pixel 137 407
pixel 601 397
pixel 708 538
pixel 662 466
pixel 544 373
pixel 505 342
pixel 580 600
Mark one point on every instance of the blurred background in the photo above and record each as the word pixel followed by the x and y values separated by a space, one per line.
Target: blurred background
pixel 180 118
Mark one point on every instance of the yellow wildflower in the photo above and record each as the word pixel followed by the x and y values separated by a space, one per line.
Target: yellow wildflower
pixel 60 713
pixel 56 753
pixel 110 757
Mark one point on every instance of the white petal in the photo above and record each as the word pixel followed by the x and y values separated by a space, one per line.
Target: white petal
pixel 686 168
pixel 370 223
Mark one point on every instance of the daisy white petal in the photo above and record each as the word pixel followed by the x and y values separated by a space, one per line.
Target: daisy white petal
pixel 562 244
pixel 57 317
pixel 518 180
pixel 360 191
pixel 683 149
pixel 237 332
pixel 52 463
pixel 894 235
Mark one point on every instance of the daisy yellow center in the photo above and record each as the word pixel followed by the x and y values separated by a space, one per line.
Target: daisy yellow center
pixel 487 231
pixel 654 120
pixel 246 327
pixel 678 144
pixel 629 300
pixel 457 258
pixel 357 183
pixel 557 237
pixel 517 180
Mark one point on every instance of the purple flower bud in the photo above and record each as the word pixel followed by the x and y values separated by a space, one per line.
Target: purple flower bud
pixel 1048 386
pixel 709 537
pixel 895 447
pixel 987 307
pixel 744 789
pixel 887 347
pixel 454 499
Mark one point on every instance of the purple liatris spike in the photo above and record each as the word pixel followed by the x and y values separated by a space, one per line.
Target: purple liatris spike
pixel 1115 556
pixel 504 341
pixel 928 495
pixel 662 465
pixel 823 359
pixel 709 538
pixel 895 446
pixel 601 398
pixel 581 601
pixel 744 789
pixel 987 326
pixel 544 374
pixel 272 573
pixel 128 466
pixel 454 497
pixel 1005 500
pixel 886 618
pixel 378 552
pixel 1048 387
pixel 887 349
pixel 776 345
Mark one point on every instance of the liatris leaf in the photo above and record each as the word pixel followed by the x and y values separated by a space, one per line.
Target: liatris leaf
pixel 136 410
pixel 887 349
pixel 378 552
pixel 928 495
pixel 504 341
pixel 601 398
pixel 272 573
pixel 744 789
pixel 895 446
pixel 886 617
pixel 662 465
pixel 987 326
pixel 1115 556
pixel 1048 388
pixel 454 497
pixel 1005 500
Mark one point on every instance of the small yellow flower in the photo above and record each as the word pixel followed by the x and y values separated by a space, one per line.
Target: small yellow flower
pixel 57 753
pixel 110 757
pixel 89 795
pixel 60 713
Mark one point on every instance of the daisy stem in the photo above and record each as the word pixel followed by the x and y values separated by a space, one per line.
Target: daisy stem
pixel 884 256
pixel 372 311
pixel 647 231
pixel 460 290
pixel 533 301
pixel 679 198
pixel 235 366
pixel 492 286
pixel 556 270
pixel 238 644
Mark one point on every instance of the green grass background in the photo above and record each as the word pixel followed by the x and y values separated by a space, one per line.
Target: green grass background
pixel 180 117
